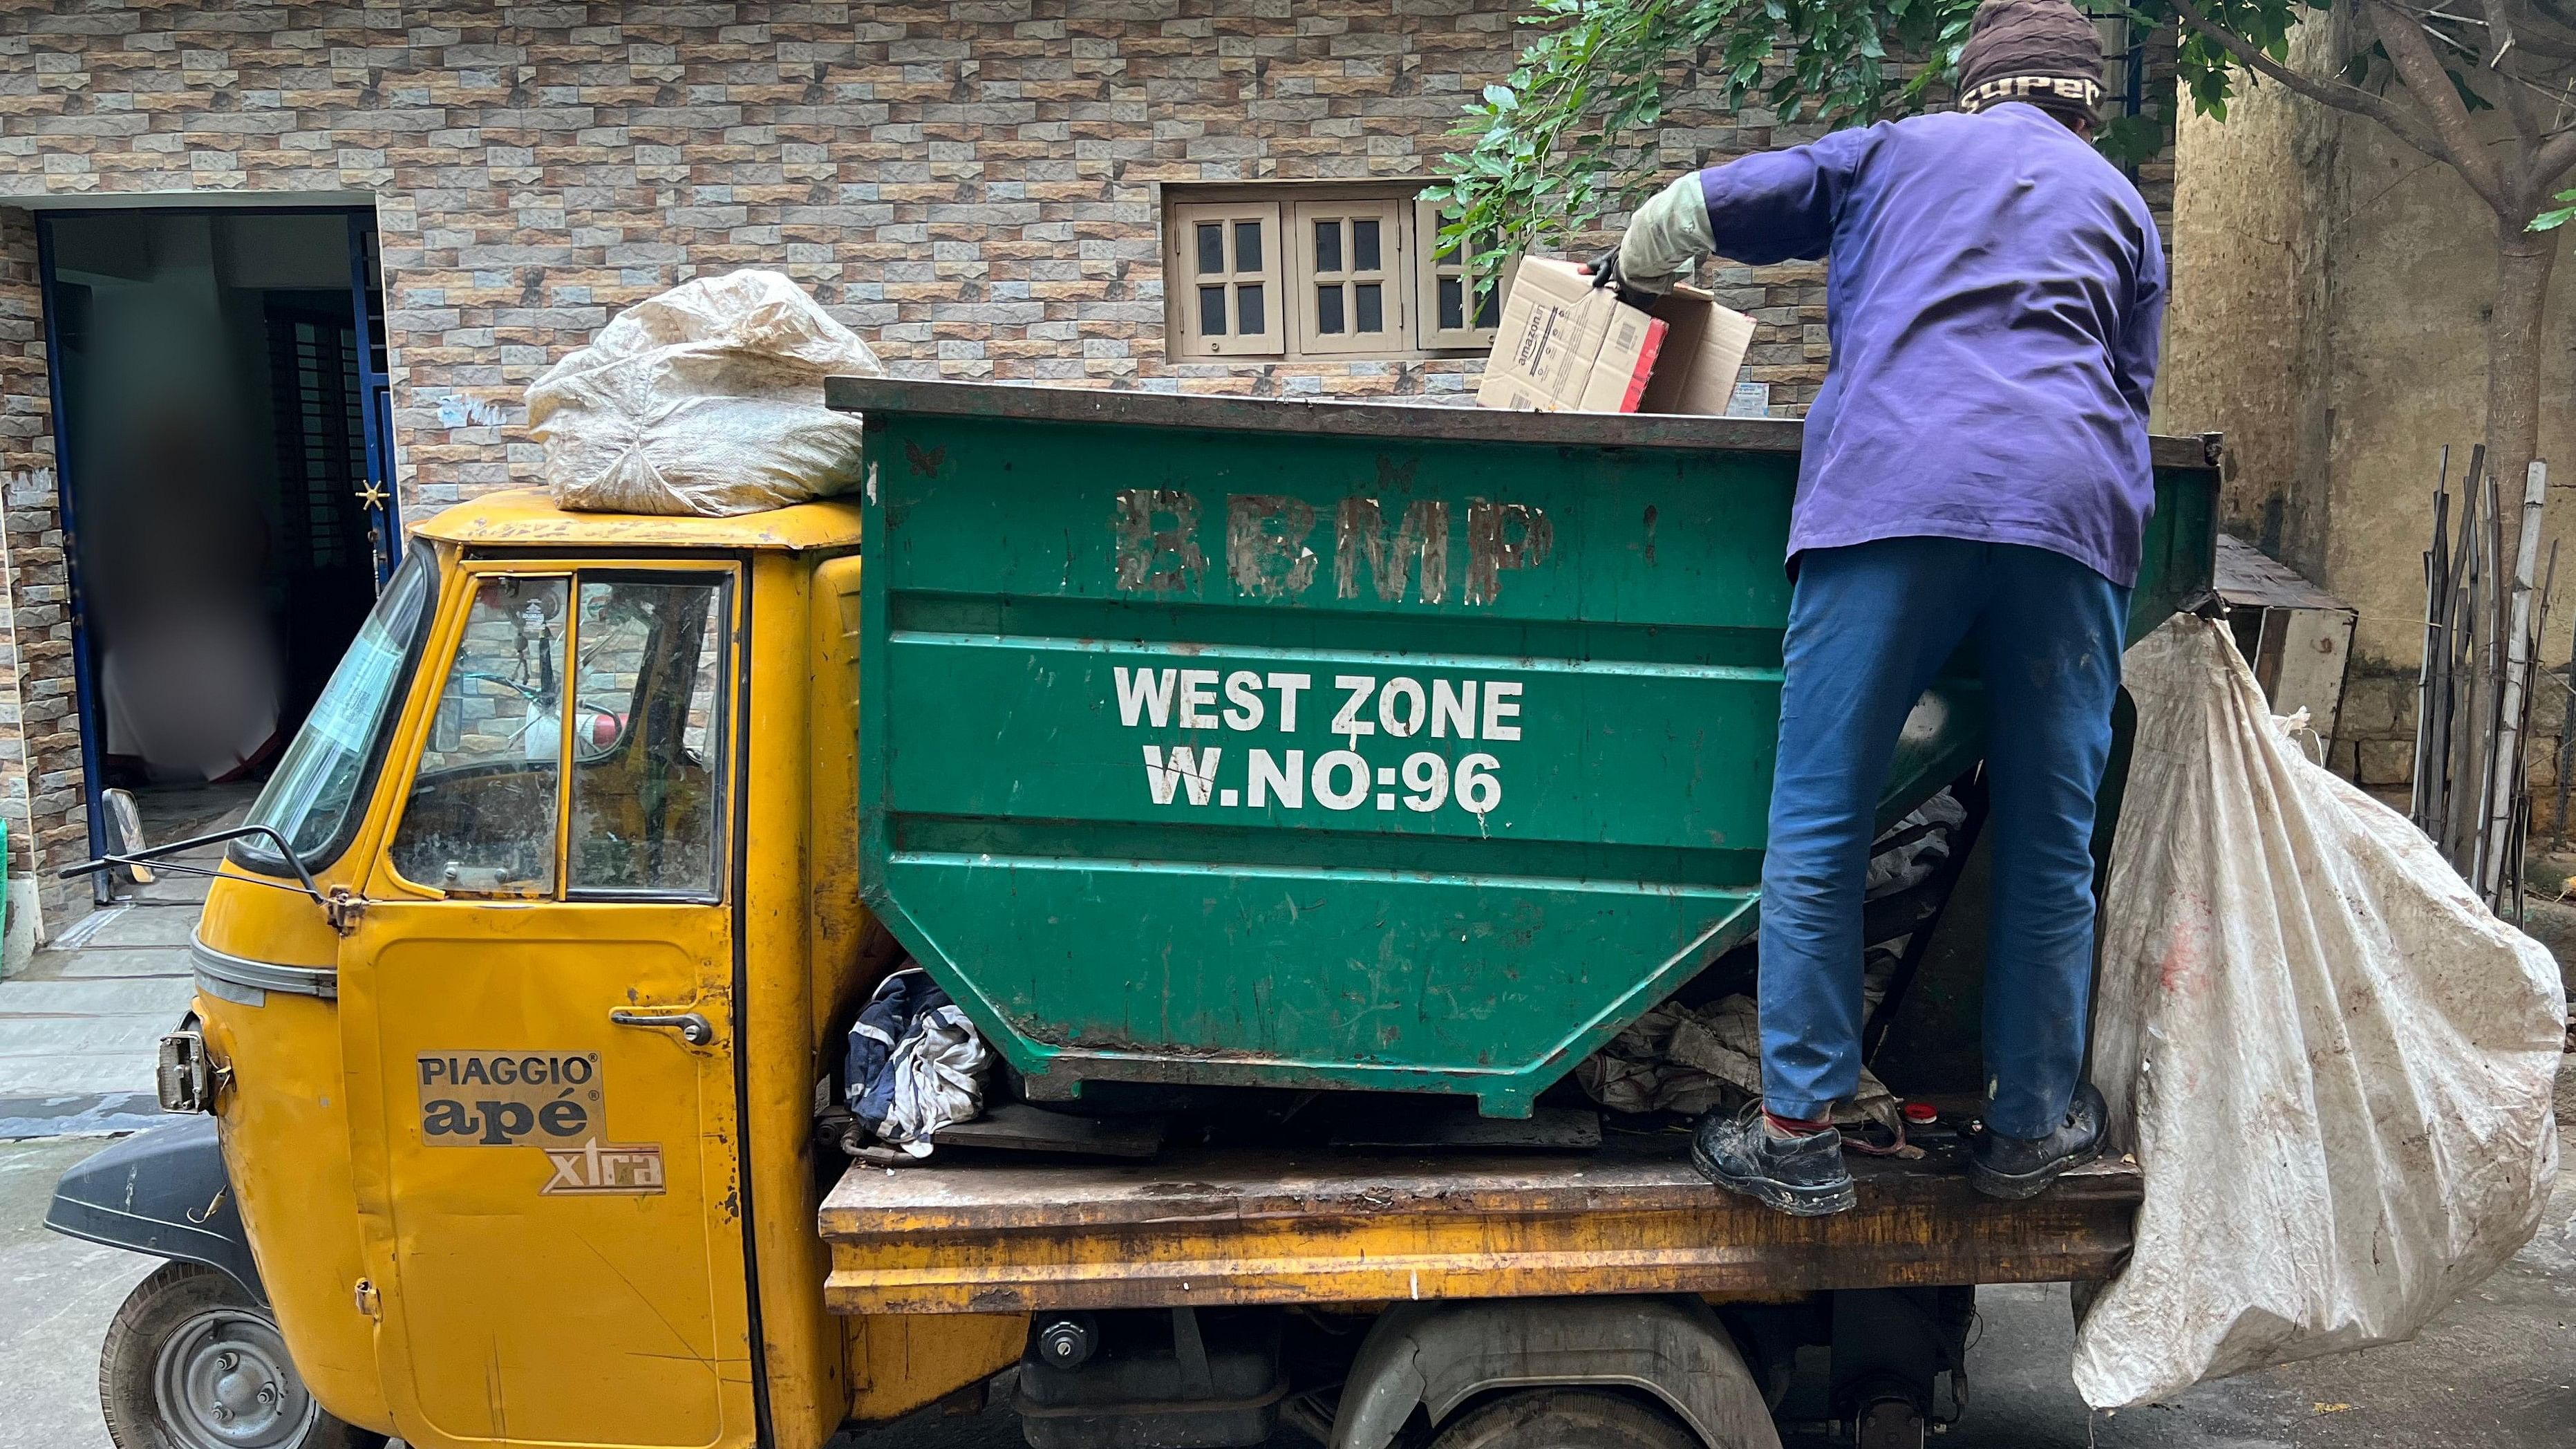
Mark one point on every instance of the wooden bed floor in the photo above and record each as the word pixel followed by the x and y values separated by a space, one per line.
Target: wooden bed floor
pixel 994 1233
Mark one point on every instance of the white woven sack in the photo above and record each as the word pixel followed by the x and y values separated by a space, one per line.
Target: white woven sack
pixel 2333 1063
pixel 705 400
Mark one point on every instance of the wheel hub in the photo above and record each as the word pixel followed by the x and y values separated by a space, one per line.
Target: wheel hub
pixel 223 1381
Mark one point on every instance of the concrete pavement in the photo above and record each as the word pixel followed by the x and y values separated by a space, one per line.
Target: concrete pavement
pixel 79 1025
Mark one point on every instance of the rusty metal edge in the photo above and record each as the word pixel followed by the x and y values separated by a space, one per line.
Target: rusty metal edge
pixel 848 1221
pixel 1334 418
pixel 2088 1245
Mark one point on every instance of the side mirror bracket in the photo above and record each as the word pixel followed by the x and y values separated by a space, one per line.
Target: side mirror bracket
pixel 340 906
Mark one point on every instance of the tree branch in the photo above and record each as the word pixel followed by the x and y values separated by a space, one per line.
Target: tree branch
pixel 2341 95
pixel 2519 106
pixel 2411 51
pixel 2552 161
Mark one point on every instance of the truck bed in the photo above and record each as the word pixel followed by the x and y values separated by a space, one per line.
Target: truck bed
pixel 1281 1227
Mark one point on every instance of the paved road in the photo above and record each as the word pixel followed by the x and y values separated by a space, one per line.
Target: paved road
pixel 2498 1371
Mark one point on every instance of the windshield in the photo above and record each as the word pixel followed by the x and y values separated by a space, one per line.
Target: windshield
pixel 324 773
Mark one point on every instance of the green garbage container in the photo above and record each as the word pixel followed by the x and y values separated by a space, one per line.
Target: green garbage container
pixel 1231 741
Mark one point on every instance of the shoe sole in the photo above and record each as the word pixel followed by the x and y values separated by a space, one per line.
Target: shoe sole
pixel 1796 1201
pixel 2015 1186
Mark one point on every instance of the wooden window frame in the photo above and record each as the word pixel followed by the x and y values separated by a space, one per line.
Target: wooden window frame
pixel 1433 267
pixel 1392 276
pixel 1410 273
pixel 1182 268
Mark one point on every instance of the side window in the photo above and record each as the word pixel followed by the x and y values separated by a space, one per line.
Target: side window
pixel 649 715
pixel 481 818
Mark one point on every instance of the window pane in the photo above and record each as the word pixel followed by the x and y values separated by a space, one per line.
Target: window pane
pixel 1372 309
pixel 1328 246
pixel 1489 308
pixel 1453 304
pixel 1364 244
pixel 1328 307
pixel 1211 249
pixel 648 737
pixel 1247 246
pixel 309 797
pixel 1212 311
pixel 1247 310
pixel 481 818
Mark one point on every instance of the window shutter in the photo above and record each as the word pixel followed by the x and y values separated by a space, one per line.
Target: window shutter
pixel 1451 315
pixel 1224 270
pixel 1351 277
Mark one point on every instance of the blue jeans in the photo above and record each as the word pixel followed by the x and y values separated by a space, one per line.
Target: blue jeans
pixel 1869 627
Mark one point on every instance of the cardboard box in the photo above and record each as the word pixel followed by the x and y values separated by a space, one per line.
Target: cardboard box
pixel 1566 347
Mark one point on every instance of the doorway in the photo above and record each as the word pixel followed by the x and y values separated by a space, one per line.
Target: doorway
pixel 221 428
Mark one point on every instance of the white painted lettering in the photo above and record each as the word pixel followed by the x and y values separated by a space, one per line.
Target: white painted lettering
pixel 1347 720
pixel 1406 720
pixel 1288 780
pixel 1198 694
pixel 1243 700
pixel 1497 691
pixel 1145 692
pixel 1478 790
pixel 1190 768
pixel 1358 788
pixel 1288 686
pixel 1453 708
pixel 1427 776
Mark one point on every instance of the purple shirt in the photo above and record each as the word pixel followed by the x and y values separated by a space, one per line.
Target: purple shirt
pixel 1994 291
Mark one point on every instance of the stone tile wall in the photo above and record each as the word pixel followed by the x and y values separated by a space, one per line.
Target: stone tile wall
pixel 40 795
pixel 2374 743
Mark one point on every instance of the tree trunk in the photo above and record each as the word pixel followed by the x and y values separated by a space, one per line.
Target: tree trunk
pixel 2523 264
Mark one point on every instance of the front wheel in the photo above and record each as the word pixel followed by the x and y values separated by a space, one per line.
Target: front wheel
pixel 192 1362
pixel 1567 1418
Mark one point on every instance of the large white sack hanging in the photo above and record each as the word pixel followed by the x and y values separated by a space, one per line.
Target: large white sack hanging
pixel 706 400
pixel 2335 1063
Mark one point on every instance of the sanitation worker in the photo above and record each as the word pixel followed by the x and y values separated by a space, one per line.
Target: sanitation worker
pixel 1975 472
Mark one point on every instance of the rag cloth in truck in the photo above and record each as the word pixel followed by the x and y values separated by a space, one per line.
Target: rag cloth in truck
pixel 916 1064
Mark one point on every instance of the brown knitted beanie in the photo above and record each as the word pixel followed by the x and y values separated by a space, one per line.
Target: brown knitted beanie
pixel 2041 51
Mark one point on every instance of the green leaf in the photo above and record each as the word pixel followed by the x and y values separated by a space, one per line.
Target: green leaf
pixel 2553 219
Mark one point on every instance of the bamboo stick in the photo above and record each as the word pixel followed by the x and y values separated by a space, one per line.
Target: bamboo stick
pixel 2504 786
pixel 2496 588
pixel 2420 780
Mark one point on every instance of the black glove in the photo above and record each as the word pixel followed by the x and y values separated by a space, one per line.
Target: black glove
pixel 1605 273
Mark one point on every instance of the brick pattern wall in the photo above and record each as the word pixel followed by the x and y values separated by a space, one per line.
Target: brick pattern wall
pixel 972 184
pixel 40 793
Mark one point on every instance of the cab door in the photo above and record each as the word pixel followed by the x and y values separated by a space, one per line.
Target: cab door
pixel 538 1007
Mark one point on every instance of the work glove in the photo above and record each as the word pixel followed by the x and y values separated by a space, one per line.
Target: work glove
pixel 1605 273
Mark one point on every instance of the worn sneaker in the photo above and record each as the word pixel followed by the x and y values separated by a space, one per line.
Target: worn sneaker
pixel 2019 1167
pixel 1803 1176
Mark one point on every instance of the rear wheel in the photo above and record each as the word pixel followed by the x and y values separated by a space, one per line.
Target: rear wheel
pixel 1565 1419
pixel 191 1362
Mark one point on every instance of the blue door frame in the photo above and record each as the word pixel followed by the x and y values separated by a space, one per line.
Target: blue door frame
pixel 377 495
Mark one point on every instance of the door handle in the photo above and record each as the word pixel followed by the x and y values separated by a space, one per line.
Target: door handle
pixel 693 1028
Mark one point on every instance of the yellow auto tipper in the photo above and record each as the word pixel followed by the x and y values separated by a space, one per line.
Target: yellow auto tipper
pixel 524 997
